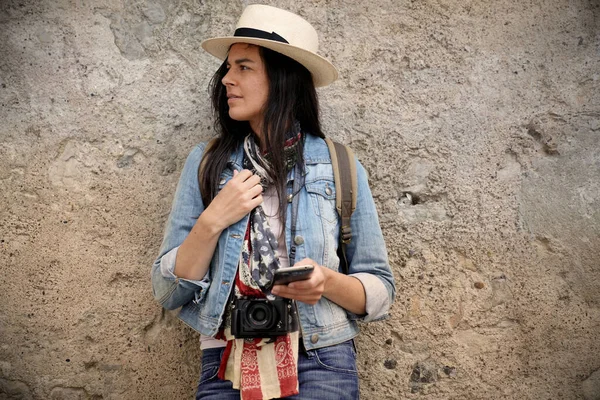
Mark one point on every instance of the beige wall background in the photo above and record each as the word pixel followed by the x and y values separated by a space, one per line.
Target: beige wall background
pixel 479 125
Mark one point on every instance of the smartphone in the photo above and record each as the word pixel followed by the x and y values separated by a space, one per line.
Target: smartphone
pixel 283 276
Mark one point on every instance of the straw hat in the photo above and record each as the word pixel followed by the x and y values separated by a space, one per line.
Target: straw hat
pixel 281 31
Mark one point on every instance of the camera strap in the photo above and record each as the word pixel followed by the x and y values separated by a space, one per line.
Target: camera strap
pixel 296 187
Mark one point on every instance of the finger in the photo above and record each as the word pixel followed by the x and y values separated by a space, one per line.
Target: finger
pixel 305 261
pixel 277 289
pixel 311 302
pixel 235 172
pixel 255 202
pixel 302 285
pixel 308 299
pixel 284 291
pixel 295 293
pixel 243 175
pixel 252 180
pixel 255 191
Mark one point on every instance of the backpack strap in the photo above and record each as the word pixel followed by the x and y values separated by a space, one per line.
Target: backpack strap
pixel 346 190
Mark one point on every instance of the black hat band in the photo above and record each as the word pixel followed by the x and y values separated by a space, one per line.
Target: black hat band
pixel 257 33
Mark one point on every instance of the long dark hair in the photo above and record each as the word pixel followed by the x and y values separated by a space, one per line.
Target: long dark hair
pixel 292 96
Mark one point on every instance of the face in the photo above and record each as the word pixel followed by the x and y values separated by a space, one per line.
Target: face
pixel 247 84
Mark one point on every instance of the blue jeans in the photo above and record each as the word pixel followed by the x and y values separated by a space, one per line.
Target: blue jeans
pixel 328 373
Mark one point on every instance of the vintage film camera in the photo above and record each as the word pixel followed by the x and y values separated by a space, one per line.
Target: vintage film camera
pixel 252 318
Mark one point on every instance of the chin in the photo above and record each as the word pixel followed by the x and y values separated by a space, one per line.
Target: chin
pixel 237 116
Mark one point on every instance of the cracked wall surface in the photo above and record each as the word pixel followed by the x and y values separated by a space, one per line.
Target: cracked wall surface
pixel 479 126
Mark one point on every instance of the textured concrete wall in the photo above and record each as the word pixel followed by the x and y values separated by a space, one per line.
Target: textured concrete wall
pixel 478 123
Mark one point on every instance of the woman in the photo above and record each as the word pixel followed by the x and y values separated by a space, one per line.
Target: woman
pixel 263 199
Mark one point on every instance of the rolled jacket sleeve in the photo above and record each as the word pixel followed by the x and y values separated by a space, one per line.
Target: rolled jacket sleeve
pixel 167 268
pixel 367 254
pixel 377 297
pixel 169 290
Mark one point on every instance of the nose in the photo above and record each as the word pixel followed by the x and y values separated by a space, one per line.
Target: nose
pixel 227 79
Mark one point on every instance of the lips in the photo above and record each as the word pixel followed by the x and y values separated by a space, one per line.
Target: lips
pixel 232 99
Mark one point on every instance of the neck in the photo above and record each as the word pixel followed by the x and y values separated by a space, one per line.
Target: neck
pixel 256 127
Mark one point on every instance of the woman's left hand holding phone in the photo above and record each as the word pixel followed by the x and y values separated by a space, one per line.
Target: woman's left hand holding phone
pixel 344 290
pixel 308 291
pixel 237 198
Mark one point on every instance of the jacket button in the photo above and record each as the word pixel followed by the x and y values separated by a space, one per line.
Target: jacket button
pixel 328 190
pixel 222 181
pixel 314 338
pixel 299 240
pixel 290 197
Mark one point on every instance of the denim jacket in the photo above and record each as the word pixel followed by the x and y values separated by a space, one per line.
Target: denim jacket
pixel 203 302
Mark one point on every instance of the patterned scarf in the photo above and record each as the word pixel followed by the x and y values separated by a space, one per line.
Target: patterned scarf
pixel 261 368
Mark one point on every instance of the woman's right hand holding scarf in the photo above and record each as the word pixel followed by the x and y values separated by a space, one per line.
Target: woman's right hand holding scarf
pixel 238 197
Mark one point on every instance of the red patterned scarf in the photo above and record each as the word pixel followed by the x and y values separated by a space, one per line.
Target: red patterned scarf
pixel 261 368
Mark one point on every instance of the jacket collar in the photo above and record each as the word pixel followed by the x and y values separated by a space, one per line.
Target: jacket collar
pixel 315 152
pixel 236 158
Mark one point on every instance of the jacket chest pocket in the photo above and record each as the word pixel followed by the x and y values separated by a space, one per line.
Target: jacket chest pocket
pixel 322 197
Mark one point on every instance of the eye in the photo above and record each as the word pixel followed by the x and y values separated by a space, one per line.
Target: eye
pixel 244 67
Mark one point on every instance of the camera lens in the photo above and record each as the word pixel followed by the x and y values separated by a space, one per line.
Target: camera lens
pixel 261 315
